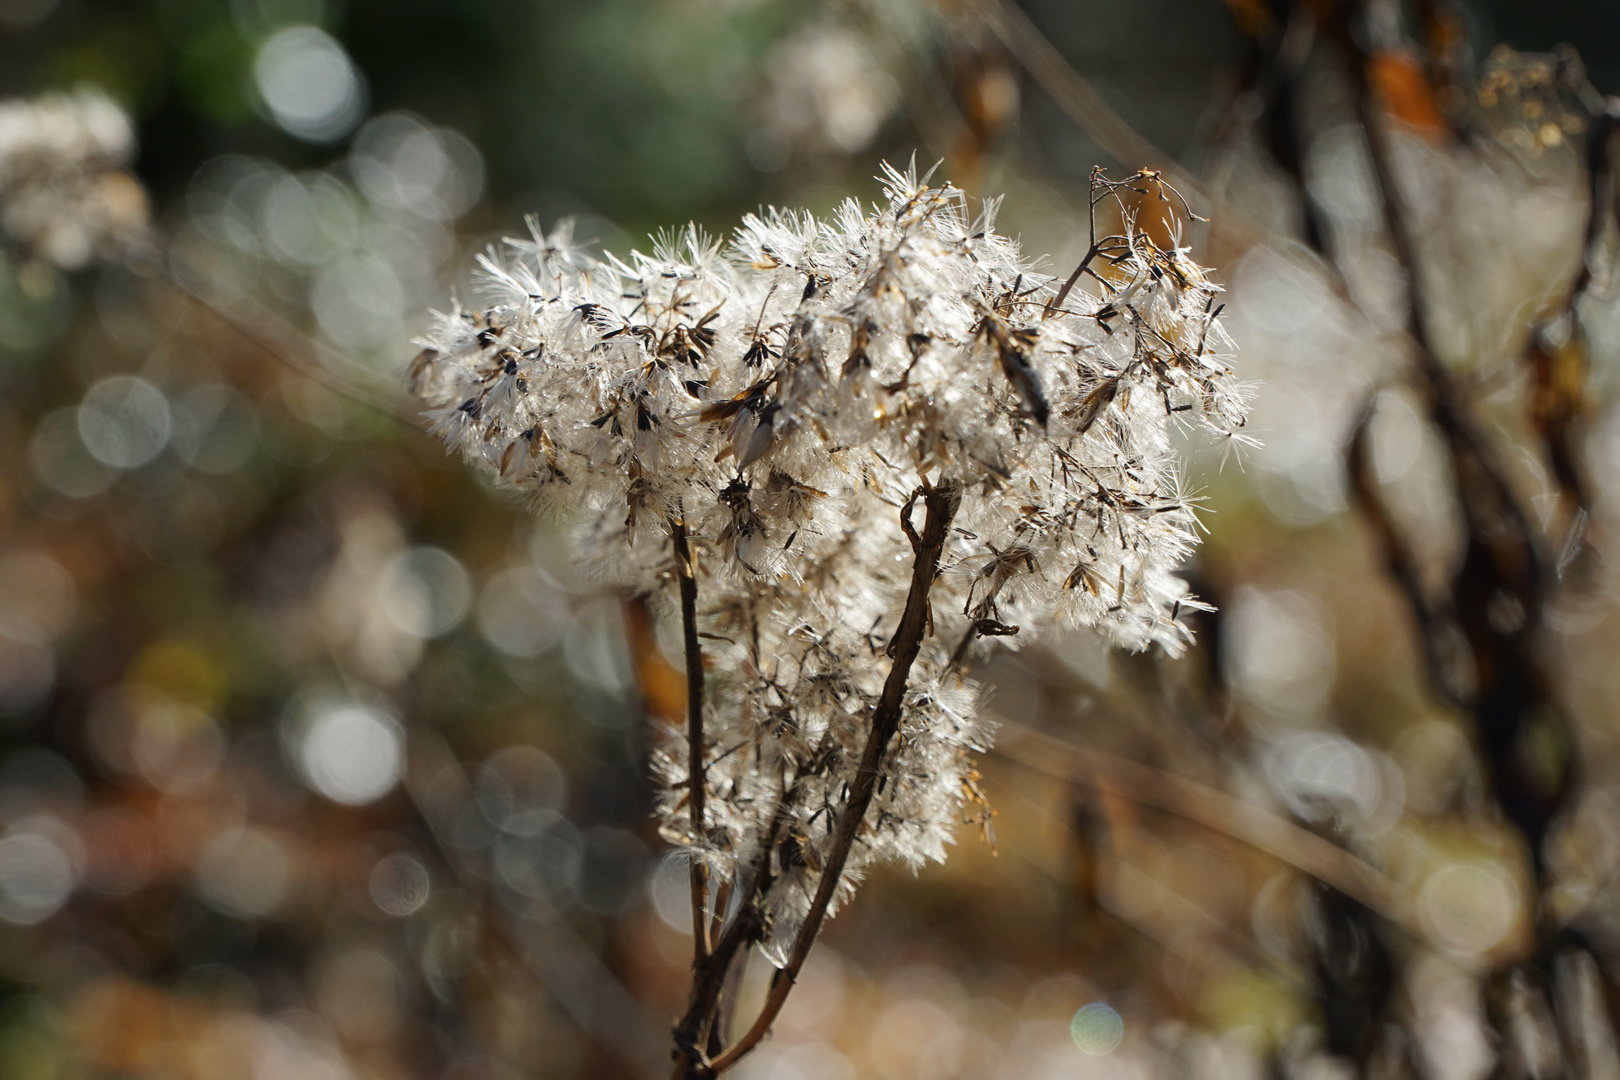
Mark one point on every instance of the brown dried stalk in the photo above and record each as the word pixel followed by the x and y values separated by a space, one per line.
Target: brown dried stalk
pixel 686 576
pixel 940 501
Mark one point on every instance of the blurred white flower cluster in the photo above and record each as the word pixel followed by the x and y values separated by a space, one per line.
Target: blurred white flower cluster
pixel 780 401
pixel 64 195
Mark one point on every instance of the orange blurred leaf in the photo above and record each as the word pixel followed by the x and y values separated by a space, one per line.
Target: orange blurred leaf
pixel 663 686
pixel 1401 84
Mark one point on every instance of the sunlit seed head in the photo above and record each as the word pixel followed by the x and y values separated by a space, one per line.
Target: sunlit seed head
pixel 774 403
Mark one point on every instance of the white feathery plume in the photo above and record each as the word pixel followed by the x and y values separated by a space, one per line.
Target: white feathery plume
pixel 780 399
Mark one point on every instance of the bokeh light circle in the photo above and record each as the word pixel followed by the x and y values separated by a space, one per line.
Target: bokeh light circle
pixel 246 872
pixel 669 888
pixel 399 885
pixel 352 754
pixel 36 878
pixel 216 429
pixel 124 421
pixel 27 673
pixel 520 790
pixel 521 612
pixel 1469 906
pixel 1097 1029
pixel 309 84
pixel 425 591
pixel 62 462
pixel 37 596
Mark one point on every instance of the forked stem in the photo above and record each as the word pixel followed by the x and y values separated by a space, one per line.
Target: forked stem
pixel 941 501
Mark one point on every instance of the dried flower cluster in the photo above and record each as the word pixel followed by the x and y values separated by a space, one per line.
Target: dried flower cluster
pixel 64 196
pixel 749 424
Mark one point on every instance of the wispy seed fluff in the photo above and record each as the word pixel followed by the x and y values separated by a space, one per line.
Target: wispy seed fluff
pixel 782 397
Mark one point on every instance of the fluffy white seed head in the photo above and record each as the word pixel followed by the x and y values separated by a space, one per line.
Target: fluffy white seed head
pixel 782 396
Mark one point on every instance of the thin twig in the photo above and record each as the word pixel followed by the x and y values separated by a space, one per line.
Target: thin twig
pixel 1091 251
pixel 292 347
pixel 1076 96
pixel 709 975
pixel 686 576
pixel 1214 809
pixel 941 501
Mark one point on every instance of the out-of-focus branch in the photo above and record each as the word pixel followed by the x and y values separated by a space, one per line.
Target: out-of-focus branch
pixel 1399 560
pixel 1488 501
pixel 288 345
pixel 1558 367
pixel 1077 97
pixel 1213 809
pixel 571 971
pixel 1497 595
pixel 1081 102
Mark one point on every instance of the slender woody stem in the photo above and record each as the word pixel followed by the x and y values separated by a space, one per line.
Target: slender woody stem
pixel 941 502
pixel 1091 252
pixel 686 574
pixel 709 974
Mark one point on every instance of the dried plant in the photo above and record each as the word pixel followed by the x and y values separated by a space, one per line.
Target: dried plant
pixel 740 427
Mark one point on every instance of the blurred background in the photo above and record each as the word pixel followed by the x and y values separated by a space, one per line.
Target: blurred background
pixel 316 761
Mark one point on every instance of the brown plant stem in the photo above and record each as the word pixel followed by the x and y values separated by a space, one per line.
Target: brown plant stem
pixel 709 974
pixel 941 501
pixel 686 576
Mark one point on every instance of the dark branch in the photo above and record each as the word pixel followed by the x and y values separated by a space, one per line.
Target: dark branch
pixel 686 575
pixel 941 502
